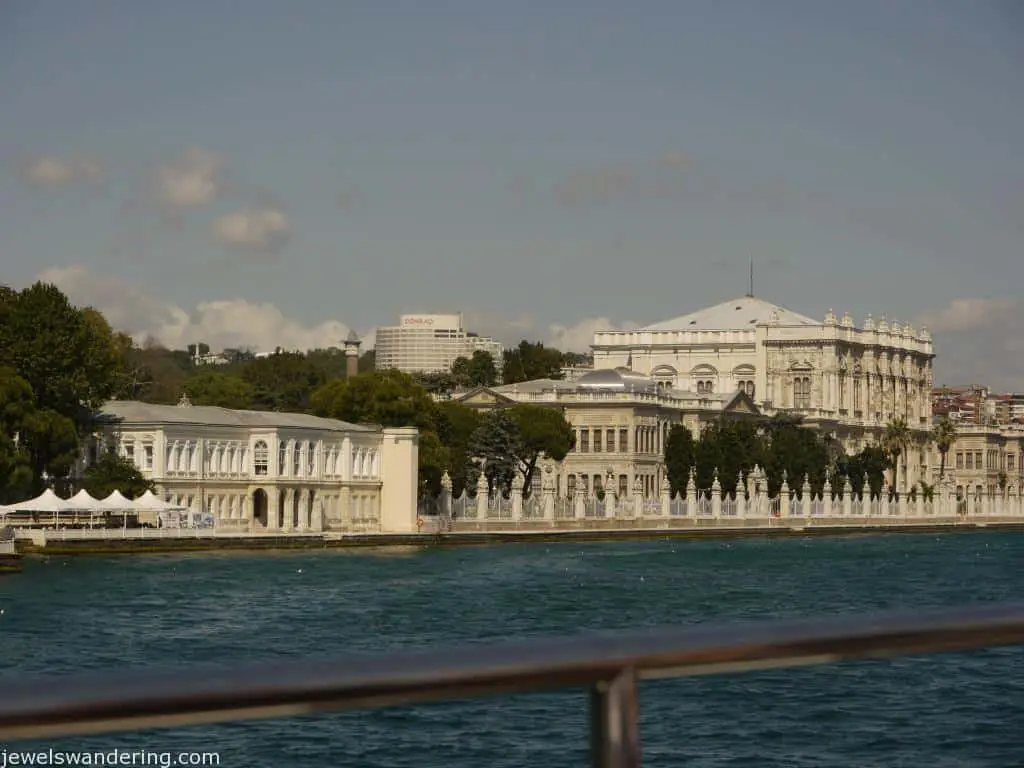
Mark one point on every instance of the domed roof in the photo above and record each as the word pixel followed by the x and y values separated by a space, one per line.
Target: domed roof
pixel 616 379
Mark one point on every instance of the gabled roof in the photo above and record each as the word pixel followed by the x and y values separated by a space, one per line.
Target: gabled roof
pixel 134 412
pixel 743 313
pixel 481 394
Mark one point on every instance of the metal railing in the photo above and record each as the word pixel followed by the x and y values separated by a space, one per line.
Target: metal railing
pixel 611 665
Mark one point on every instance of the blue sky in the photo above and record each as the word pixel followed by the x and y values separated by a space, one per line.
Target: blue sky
pixel 266 172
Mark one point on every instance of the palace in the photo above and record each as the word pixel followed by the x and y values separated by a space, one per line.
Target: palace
pixel 843 379
pixel 257 471
pixel 621 420
pixel 743 358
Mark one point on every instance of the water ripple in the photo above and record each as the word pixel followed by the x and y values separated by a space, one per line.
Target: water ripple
pixel 68 615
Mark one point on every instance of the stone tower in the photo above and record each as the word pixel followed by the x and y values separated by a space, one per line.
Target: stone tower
pixel 352 354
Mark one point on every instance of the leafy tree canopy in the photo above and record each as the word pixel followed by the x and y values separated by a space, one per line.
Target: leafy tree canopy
pixel 514 439
pixel 113 472
pixel 476 371
pixel 531 360
pixel 213 387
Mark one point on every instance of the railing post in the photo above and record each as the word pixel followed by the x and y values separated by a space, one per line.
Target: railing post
pixel 615 722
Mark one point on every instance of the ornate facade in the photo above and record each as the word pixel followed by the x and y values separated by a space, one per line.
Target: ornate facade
pixel 256 471
pixel 848 380
pixel 986 461
pixel 621 420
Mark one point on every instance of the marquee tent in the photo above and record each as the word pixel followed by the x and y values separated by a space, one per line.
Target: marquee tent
pixel 47 501
pixel 116 502
pixel 82 501
pixel 150 502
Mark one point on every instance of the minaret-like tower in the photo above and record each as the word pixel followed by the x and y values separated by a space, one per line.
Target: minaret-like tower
pixel 352 344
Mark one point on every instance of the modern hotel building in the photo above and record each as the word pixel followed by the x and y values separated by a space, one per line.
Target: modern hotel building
pixel 429 344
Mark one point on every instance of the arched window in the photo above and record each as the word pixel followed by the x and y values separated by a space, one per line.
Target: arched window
pixel 282 457
pixel 802 392
pixel 260 458
pixel 311 458
pixel 296 458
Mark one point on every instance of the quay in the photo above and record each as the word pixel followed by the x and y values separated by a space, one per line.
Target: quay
pixel 462 533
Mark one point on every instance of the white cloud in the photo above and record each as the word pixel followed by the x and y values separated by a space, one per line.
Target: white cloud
pixel 53 171
pixel 255 230
pixel 979 341
pixel 568 338
pixel 194 181
pixel 224 323
pixel 971 315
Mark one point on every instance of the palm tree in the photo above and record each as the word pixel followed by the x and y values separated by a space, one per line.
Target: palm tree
pixel 944 435
pixel 894 443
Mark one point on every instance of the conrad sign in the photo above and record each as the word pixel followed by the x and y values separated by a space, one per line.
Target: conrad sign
pixel 447 322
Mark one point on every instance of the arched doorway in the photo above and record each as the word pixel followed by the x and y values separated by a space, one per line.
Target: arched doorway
pixel 259 507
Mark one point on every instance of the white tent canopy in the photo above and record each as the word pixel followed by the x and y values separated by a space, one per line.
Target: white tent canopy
pixel 150 502
pixel 84 502
pixel 116 502
pixel 47 501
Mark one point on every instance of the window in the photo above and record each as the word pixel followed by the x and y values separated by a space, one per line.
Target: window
pixel 260 458
pixel 623 485
pixel 597 441
pixel 959 460
pixel 623 440
pixel 129 451
pixel 970 460
pixel 609 440
pixel 584 441
pixel 311 459
pixel 705 387
pixel 282 458
pixel 802 392
pixel 570 485
pixel 147 456
pixel 296 458
pixel 1009 461
pixel 977 460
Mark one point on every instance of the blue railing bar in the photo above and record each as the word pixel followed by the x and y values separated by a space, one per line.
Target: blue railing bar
pixel 55 706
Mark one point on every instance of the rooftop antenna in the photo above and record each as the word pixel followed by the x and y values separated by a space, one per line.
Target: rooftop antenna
pixel 750 293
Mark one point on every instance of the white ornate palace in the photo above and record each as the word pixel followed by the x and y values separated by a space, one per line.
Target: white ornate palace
pixel 621 420
pixel 844 379
pixel 271 472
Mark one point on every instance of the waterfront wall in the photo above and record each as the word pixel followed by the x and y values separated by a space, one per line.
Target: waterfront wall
pixel 750 506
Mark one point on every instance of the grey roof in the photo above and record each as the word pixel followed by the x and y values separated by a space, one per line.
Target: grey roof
pixel 133 412
pixel 744 313
pixel 616 379
pixel 536 385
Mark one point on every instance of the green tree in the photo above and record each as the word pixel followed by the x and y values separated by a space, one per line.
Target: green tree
pixel 433 458
pixel 390 398
pixel 944 435
pixel 541 432
pixel 69 357
pixel 455 427
pixel 515 439
pixel 730 447
pixel 871 461
pixel 792 450
pixel 283 381
pixel 492 449
pixel 680 451
pixel 113 472
pixel 895 440
pixel 531 361
pixel 226 390
pixel 17 404
pixel 476 371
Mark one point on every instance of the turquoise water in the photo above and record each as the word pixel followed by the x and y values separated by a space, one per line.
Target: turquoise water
pixel 63 615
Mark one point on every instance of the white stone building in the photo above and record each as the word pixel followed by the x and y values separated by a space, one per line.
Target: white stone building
pixel 263 471
pixel 844 379
pixel 429 344
pixel 621 420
